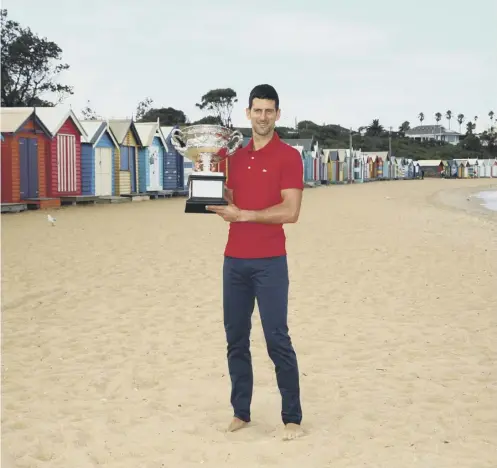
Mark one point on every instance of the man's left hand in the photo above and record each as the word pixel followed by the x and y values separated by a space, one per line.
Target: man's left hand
pixel 230 213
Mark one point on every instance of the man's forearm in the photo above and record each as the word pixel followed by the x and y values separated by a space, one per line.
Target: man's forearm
pixel 277 214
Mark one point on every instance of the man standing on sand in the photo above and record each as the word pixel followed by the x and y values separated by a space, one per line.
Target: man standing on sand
pixel 264 191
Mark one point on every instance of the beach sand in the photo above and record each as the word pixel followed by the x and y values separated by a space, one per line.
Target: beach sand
pixel 114 351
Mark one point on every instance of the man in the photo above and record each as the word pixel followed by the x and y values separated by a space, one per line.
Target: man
pixel 264 191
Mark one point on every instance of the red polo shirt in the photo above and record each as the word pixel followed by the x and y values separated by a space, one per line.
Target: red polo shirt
pixel 257 179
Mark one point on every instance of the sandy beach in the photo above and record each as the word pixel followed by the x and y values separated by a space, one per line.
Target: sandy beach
pixel 114 354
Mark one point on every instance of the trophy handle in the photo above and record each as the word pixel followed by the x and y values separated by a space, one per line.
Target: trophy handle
pixel 236 139
pixel 178 142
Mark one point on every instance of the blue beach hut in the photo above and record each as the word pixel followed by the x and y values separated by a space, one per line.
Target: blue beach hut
pixel 99 152
pixel 175 165
pixel 150 157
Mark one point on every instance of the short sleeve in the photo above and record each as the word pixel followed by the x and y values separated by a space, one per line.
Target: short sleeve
pixel 292 171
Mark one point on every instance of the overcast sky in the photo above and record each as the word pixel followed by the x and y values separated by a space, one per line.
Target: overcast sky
pixel 343 62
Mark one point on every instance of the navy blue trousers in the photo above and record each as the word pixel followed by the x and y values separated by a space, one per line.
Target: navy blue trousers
pixel 264 280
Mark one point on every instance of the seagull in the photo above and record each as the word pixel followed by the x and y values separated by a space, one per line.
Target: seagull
pixel 51 220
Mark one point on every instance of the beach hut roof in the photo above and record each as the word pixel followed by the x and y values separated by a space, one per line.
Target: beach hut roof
pixel 166 131
pixel 120 128
pixel 377 154
pixel 429 162
pixel 55 117
pixel 307 143
pixel 147 131
pixel 94 130
pixel 14 118
pixel 338 154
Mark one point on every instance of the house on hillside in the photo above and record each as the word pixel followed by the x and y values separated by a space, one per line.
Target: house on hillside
pixel 433 132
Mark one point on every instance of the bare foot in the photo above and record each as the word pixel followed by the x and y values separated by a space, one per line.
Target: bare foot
pixel 292 431
pixel 236 424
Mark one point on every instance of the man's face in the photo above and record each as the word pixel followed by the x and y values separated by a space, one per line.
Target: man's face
pixel 263 116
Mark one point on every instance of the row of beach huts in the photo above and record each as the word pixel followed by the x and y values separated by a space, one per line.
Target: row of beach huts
pixel 337 166
pixel 49 157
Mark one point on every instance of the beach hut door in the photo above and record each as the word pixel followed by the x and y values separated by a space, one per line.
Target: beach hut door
pixel 28 152
pixel 154 170
pixel 66 163
pixel 103 172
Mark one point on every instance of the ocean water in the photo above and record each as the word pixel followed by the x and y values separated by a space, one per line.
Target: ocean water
pixel 489 199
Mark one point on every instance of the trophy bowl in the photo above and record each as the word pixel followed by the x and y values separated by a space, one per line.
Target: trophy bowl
pixel 203 145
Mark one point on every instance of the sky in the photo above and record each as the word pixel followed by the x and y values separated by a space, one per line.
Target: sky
pixel 341 62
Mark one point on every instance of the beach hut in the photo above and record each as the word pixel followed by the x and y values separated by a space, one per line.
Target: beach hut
pixel 25 141
pixel 462 172
pixel 472 168
pixel 431 167
pixel 323 167
pixel 64 160
pixel 482 168
pixel 176 167
pixel 384 165
pixel 308 166
pixel 399 161
pixel 452 169
pixel 416 169
pixel 333 166
pixel 357 169
pixel 485 167
pixel 493 172
pixel 99 157
pixel 410 168
pixel 127 171
pixel 151 157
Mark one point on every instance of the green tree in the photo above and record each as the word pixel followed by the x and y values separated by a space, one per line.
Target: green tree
pixel 490 140
pixel 167 116
pixel 143 107
pixel 220 102
pixel 88 112
pixel 460 119
pixel 375 129
pixel 404 128
pixel 471 142
pixel 31 66
pixel 438 117
pixel 421 117
pixel 208 120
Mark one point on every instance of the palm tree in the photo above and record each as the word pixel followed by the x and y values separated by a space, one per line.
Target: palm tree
pixel 438 117
pixel 460 119
pixel 375 129
pixel 421 117
pixel 448 116
pixel 491 115
pixel 469 128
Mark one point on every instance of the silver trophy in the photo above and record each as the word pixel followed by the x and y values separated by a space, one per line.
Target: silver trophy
pixel 202 145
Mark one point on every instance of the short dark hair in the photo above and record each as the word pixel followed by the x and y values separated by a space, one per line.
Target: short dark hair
pixel 264 91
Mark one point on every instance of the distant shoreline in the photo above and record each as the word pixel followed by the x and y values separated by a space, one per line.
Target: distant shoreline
pixel 466 200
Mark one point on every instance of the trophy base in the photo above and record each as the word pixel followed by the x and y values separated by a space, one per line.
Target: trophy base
pixel 198 205
pixel 206 188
